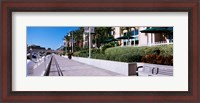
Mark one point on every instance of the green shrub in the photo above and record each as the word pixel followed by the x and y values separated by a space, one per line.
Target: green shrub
pixel 77 53
pixel 94 50
pixel 116 52
pixel 154 54
pixel 166 50
pixel 99 56
pixel 130 57
pixel 85 52
pixel 106 46
pixel 109 45
pixel 82 53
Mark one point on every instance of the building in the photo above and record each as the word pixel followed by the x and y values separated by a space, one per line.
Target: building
pixel 144 36
pixel 137 36
pixel 118 32
pixel 149 36
pixel 35 48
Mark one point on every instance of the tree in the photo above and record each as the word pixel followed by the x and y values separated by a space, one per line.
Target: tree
pixel 77 38
pixel 67 40
pixel 101 34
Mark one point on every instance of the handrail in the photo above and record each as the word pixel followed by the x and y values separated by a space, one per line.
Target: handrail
pixel 153 70
pixel 137 74
pixel 157 71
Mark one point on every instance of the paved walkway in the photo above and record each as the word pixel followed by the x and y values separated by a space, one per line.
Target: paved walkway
pixel 74 68
pixel 40 67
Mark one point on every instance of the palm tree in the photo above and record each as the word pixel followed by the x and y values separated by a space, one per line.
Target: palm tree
pixel 78 36
pixel 67 40
pixel 102 33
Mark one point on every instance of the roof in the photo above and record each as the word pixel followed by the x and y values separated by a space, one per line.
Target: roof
pixel 125 37
pixel 158 30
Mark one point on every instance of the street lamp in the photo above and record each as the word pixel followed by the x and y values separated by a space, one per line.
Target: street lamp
pixel 89 42
pixel 134 35
pixel 72 41
pixel 64 49
pixel 89 30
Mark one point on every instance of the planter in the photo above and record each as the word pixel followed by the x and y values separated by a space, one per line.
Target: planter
pixel 127 69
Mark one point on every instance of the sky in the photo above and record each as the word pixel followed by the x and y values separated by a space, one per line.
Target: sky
pixel 48 37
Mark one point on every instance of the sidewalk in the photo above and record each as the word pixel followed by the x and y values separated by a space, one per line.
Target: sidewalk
pixel 40 67
pixel 74 68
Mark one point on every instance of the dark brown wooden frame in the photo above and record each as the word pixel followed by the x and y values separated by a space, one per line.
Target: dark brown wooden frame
pixel 9 6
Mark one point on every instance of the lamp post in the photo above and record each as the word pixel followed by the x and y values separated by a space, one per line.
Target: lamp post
pixel 134 35
pixel 72 42
pixel 89 30
pixel 89 43
pixel 64 49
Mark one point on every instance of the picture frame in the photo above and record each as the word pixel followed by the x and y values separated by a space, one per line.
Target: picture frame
pixel 190 6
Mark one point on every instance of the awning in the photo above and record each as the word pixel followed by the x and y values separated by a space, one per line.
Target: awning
pixel 110 40
pixel 125 37
pixel 158 30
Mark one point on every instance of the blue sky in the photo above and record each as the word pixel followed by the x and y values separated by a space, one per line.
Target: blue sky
pixel 48 37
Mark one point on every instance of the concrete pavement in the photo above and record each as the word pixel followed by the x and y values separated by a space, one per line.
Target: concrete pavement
pixel 70 68
pixel 39 67
pixel 74 68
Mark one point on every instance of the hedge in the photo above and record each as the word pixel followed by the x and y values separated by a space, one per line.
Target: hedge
pixel 83 53
pixel 109 45
pixel 154 54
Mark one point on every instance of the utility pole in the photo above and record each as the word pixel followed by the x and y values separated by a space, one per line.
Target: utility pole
pixel 72 43
pixel 89 43
pixel 134 35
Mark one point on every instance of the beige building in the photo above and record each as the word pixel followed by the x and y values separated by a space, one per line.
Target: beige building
pixel 145 36
pixel 140 36
pixel 124 42
pixel 150 36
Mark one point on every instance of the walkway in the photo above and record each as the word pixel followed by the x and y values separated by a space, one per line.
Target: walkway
pixel 74 68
